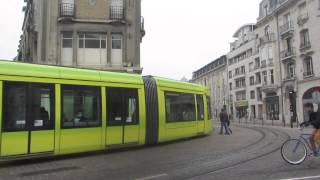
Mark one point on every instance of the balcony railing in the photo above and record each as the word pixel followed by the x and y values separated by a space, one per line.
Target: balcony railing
pixel 305 45
pixel 290 77
pixel 308 74
pixel 67 10
pixel 116 12
pixel 267 38
pixel 287 53
pixel 286 27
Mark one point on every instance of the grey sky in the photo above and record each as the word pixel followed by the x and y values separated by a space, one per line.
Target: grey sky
pixel 182 35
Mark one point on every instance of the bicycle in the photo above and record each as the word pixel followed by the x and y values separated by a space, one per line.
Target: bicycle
pixel 295 151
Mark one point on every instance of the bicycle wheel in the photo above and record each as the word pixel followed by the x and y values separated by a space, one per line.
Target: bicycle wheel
pixel 293 151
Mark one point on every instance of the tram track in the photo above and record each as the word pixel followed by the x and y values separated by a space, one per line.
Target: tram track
pixel 279 136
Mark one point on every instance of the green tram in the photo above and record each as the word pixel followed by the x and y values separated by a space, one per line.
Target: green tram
pixel 49 110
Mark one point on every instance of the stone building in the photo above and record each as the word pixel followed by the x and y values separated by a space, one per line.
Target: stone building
pixel 294 25
pixel 244 75
pixel 214 76
pixel 99 34
pixel 273 67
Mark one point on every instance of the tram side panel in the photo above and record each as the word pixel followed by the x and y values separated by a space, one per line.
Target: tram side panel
pixel 177 119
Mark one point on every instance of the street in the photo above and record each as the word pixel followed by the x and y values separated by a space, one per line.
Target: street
pixel 251 152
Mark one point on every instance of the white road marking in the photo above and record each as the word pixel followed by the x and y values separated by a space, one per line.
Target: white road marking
pixel 301 178
pixel 152 177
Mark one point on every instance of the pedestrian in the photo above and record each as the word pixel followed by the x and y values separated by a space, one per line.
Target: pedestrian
pixel 224 122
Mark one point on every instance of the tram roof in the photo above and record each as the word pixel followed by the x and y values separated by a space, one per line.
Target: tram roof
pixel 165 82
pixel 56 72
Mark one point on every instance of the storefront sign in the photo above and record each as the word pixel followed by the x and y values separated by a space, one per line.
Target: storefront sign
pixel 241 103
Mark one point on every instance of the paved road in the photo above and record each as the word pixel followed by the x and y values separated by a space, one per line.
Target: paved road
pixel 249 153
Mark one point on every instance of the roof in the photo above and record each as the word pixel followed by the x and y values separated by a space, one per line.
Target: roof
pixel 236 34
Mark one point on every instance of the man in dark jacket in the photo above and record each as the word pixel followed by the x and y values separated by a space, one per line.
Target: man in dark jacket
pixel 224 118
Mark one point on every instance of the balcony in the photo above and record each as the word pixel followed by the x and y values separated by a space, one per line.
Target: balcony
pixel 257 82
pixel 67 10
pixel 287 28
pixel 269 88
pixel 287 54
pixel 291 77
pixel 308 74
pixel 117 12
pixel 256 67
pixel 302 19
pixel 304 46
pixel 267 38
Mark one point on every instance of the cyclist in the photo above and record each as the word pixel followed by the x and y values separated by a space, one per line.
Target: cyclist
pixel 314 120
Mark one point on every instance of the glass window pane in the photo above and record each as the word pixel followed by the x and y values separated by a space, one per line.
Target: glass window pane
pixel 116 44
pixel 15 108
pixel 81 43
pixel 42 107
pixel 114 106
pixel 92 36
pixel 103 44
pixel 81 106
pixel 131 100
pixel 200 107
pixel 67 43
pixel 67 34
pixel 180 107
pixel 122 106
pixel 92 43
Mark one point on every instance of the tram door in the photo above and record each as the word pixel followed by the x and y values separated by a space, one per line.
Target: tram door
pixel 122 116
pixel 200 114
pixel 28 119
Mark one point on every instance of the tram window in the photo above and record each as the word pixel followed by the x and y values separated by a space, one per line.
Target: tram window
pixel 15 107
pixel 180 107
pixel 42 108
pixel 28 106
pixel 122 106
pixel 209 107
pixel 80 106
pixel 200 107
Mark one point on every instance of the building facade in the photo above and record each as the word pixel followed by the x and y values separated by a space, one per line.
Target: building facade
pixel 294 24
pixel 273 67
pixel 244 75
pixel 99 34
pixel 214 76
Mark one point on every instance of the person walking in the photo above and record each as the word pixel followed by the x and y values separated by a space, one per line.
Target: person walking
pixel 224 122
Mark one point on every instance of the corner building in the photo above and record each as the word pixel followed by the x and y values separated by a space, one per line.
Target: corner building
pixel 295 25
pixel 214 75
pixel 98 34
